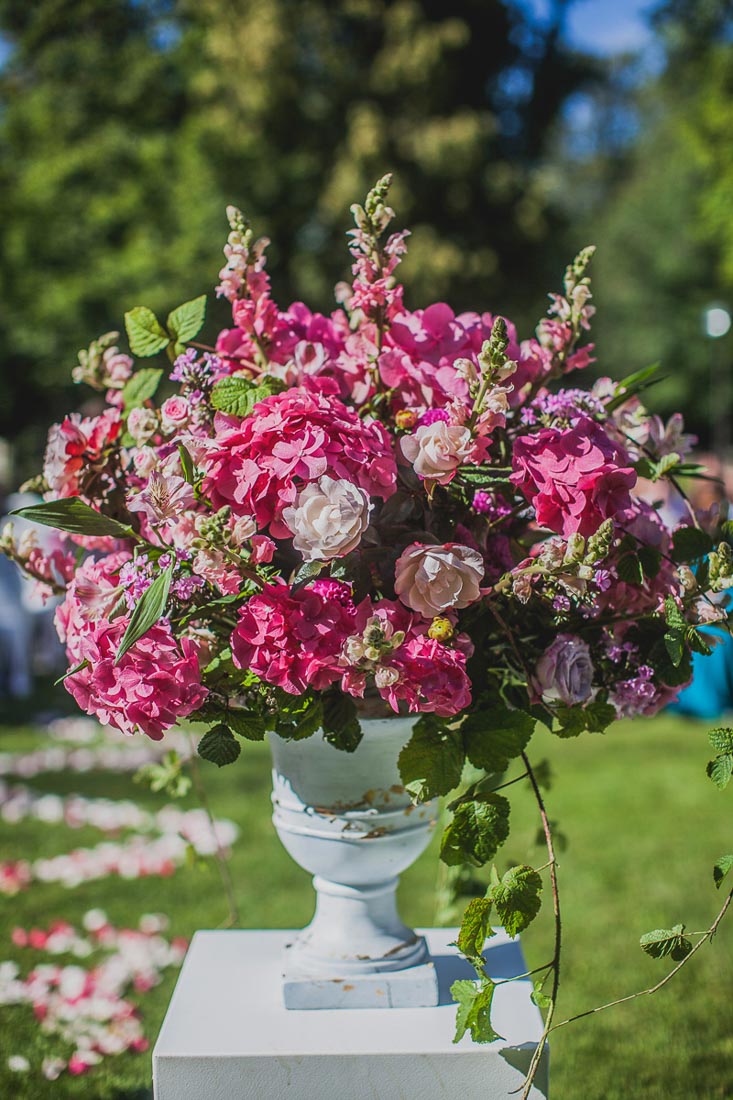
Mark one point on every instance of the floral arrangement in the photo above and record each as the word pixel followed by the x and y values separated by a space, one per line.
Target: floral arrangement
pixel 411 507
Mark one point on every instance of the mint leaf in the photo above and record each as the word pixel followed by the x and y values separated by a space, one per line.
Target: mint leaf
pixel 148 609
pixel 517 898
pixel 246 723
pixel 432 760
pixel 720 770
pixel 341 726
pixel 666 941
pixel 721 738
pixel 220 746
pixel 721 869
pixel 145 333
pixel 141 387
pixel 186 321
pixel 73 515
pixel 689 544
pixel 474 1010
pixel 475 928
pixel 496 735
pixel 478 828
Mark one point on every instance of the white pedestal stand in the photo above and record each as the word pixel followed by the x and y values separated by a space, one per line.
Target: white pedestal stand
pixel 228 1036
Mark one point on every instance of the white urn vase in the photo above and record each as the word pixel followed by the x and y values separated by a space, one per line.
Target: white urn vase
pixel 347 819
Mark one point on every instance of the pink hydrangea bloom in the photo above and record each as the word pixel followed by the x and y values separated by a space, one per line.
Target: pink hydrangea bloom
pixel 257 466
pixel 574 478
pixel 75 446
pixel 432 678
pixel 156 683
pixel 294 639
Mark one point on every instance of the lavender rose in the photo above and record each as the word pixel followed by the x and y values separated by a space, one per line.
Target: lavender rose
pixel 564 672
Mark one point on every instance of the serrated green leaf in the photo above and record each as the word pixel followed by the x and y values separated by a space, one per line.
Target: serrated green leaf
pixel 237 396
pixel 298 717
pixel 145 333
pixel 186 321
pixel 689 544
pixel 720 770
pixel 665 464
pixel 494 735
pixel 629 569
pixel 594 717
pixel 341 726
pixel 246 723
pixel 478 828
pixel 141 387
pixel 666 941
pixel 220 746
pixel 148 609
pixel 474 1010
pixel 720 870
pixel 721 738
pixel 73 515
pixel 475 928
pixel 432 760
pixel 651 561
pixel 518 898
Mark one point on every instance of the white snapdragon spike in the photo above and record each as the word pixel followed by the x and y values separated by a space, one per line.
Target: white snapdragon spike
pixel 328 519
pixel 437 450
pixel 435 579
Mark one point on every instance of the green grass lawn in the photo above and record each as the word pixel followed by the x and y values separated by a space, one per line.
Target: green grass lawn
pixel 644 827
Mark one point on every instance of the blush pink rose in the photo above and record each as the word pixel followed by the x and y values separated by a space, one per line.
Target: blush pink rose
pixel 435 579
pixel 437 450
pixel 575 478
pixel 175 414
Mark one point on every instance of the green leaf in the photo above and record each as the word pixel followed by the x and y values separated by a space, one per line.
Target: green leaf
pixel 246 723
pixel 630 569
pixel 237 396
pixel 665 464
pixel 721 869
pixel 148 609
pixel 186 463
pixel 341 726
pixel 633 384
pixel 144 331
pixel 432 760
pixel 73 515
pixel 594 717
pixel 518 898
pixel 72 672
pixel 541 999
pixel 651 561
pixel 298 716
pixel 186 321
pixel 494 735
pixel 220 746
pixel 721 738
pixel 720 770
pixel 308 571
pixel 474 1010
pixel 478 828
pixel 666 941
pixel 475 928
pixel 689 544
pixel 141 387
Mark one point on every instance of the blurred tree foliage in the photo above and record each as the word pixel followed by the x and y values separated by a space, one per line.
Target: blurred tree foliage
pixel 127 125
pixel 660 210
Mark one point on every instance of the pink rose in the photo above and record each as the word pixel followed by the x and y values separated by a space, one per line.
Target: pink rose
pixel 434 579
pixel 175 414
pixel 575 478
pixel 564 672
pixel 437 450
pixel 263 549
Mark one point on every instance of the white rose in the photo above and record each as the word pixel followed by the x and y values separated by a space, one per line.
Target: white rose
pixel 141 424
pixel 433 579
pixel 328 519
pixel 437 450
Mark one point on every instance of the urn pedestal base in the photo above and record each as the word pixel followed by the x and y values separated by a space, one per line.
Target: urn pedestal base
pixel 228 1036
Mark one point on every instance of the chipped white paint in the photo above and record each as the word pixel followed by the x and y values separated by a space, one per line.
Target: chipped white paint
pixel 227 1035
pixel 347 819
